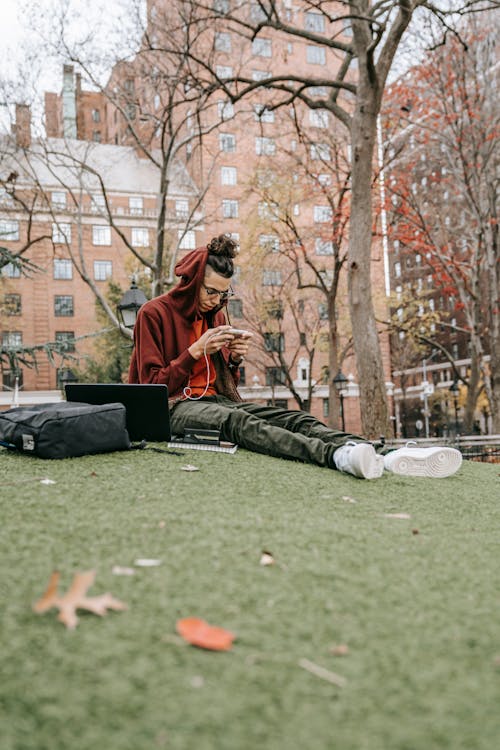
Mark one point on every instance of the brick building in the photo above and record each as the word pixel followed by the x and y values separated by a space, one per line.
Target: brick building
pixel 75 227
pixel 267 176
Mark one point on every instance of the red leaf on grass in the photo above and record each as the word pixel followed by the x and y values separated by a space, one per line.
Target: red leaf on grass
pixel 199 633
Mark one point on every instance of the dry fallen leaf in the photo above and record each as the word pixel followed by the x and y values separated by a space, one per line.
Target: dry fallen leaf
pixel 341 650
pixel 267 558
pixel 199 633
pixel 146 562
pixel 75 599
pixel 404 516
pixel 415 532
pixel 189 467
pixel 348 499
pixel 119 570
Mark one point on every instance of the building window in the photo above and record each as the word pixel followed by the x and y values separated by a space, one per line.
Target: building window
pixel 275 376
pixel 320 151
pixel 9 379
pixel 302 338
pixel 182 209
pixel 318 118
pixel 63 305
pixel 96 115
pixel 225 110
pixel 323 247
pixel 221 6
pixel 323 311
pixel 101 235
pixel 66 339
pixel 228 176
pixel 260 75
pixel 11 270
pixel 262 113
pixel 230 209
pixel 315 55
pixel 314 22
pixel 265 146
pixel 223 71
pixel 12 338
pixel 61 234
pixel 268 210
pixel 136 206
pixel 274 309
pixel 12 304
pixel 270 242
pixel 140 237
pixel 63 268
pixel 9 231
pixel 222 41
pixel 317 91
pixel 227 142
pixel 96 136
pixel 235 308
pixel 97 203
pixel 274 342
pixel 271 278
pixel 257 13
pixel 326 407
pixel 186 240
pixel 262 47
pixel 58 200
pixel 322 214
pixel 103 270
pixel 397 270
pixel 243 376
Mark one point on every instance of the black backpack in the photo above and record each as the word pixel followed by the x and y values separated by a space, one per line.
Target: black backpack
pixel 64 429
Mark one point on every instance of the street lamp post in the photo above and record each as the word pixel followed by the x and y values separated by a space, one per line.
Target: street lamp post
pixel 130 304
pixel 455 390
pixel 339 381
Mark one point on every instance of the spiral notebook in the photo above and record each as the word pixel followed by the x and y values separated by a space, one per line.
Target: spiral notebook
pixel 222 447
pixel 199 439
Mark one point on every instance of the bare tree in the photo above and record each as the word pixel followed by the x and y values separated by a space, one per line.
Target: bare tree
pixel 445 208
pixel 357 41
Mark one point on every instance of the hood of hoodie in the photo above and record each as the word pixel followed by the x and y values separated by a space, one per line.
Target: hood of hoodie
pixel 185 295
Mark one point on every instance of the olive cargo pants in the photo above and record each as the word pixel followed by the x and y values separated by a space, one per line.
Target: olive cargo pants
pixel 270 430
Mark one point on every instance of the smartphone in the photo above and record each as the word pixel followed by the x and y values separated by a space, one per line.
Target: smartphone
pixel 239 332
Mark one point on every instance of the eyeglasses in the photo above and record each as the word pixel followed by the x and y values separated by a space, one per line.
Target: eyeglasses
pixel 223 296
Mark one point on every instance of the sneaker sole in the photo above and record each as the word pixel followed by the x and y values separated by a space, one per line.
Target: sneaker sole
pixel 440 464
pixel 371 467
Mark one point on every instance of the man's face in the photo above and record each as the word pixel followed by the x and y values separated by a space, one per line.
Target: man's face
pixel 213 286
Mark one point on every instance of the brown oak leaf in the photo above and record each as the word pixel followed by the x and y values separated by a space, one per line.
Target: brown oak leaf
pixel 75 598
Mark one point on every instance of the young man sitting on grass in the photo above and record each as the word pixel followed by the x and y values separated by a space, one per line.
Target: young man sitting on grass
pixel 182 339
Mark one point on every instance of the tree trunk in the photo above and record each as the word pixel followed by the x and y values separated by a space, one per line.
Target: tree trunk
pixel 374 411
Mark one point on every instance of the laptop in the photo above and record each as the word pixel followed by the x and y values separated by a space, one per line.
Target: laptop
pixel 146 405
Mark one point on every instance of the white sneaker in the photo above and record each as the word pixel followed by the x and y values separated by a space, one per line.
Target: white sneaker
pixel 360 460
pixel 411 461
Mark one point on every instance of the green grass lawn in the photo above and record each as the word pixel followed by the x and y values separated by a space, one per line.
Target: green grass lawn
pixel 415 600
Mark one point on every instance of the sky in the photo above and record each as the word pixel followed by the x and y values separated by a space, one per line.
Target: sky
pixel 105 20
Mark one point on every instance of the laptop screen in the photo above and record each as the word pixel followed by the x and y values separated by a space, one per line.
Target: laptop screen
pixel 146 405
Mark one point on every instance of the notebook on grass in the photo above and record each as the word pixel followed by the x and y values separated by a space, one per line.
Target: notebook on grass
pixel 146 406
pixel 202 439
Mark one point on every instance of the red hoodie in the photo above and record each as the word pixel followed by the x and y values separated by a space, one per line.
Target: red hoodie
pixel 163 328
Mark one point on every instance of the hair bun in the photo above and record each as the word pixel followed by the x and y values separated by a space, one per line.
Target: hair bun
pixel 223 245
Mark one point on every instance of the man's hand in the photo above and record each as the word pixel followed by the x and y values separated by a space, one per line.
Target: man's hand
pixel 211 341
pixel 238 348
